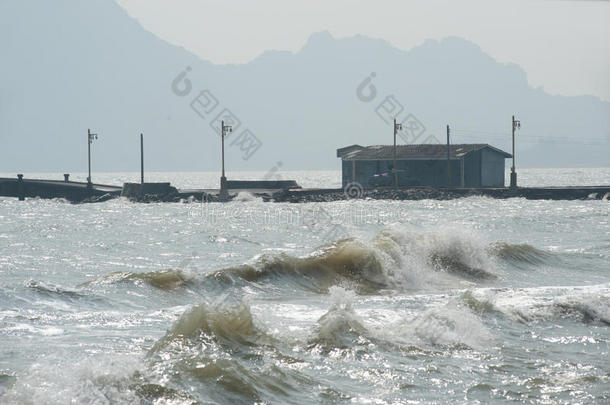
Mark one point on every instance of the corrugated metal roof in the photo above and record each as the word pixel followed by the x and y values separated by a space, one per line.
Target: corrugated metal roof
pixel 347 149
pixel 420 151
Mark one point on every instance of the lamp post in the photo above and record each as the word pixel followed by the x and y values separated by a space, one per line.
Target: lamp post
pixel 142 158
pixel 397 127
pixel 448 158
pixel 513 172
pixel 224 192
pixel 90 138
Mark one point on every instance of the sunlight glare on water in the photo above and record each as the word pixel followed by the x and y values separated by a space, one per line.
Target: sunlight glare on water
pixel 355 301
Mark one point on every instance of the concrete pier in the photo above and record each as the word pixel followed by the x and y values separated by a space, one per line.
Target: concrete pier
pixel 73 191
pixel 20 187
pixel 147 191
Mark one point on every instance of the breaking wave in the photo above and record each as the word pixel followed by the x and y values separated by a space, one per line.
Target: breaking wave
pixel 543 304
pixel 398 257
pixel 447 325
pixel 216 344
pixel 99 380
pixel 395 258
pixel 220 321
pixel 340 326
pixel 343 261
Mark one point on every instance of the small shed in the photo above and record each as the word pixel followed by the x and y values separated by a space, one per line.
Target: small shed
pixel 471 165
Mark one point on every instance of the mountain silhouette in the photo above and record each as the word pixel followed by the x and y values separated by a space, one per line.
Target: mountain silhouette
pixel 70 65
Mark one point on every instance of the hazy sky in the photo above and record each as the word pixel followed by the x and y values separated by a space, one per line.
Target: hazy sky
pixel 563 45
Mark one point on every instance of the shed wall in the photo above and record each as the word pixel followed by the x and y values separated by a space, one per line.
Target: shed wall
pixel 481 168
pixel 492 169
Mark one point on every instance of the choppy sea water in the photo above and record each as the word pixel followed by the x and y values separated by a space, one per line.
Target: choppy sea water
pixel 356 301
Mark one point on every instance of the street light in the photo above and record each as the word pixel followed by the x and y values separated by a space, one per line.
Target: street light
pixel 397 127
pixel 225 129
pixel 90 138
pixel 513 172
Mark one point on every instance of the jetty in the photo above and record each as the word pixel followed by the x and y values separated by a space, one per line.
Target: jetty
pixel 72 191
pixel 275 191
pixel 443 193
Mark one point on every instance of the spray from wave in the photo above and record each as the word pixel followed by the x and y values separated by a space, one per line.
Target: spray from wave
pixel 99 380
pixel 543 304
pixel 340 326
pixel 244 196
pixel 447 325
pixel 397 257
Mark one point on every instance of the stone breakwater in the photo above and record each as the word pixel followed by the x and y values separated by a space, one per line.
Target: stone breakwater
pixel 410 194
pixel 78 192
pixel 338 195
pixel 421 193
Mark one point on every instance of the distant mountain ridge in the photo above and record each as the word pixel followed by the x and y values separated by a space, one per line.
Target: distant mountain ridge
pixel 70 65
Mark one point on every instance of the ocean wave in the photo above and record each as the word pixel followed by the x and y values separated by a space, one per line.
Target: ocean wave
pixel 6 381
pixel 343 261
pixel 52 289
pixel 233 380
pixel 447 325
pixel 397 257
pixel 100 380
pixel 340 326
pixel 220 321
pixel 217 344
pixel 446 250
pixel 589 304
pixel 519 253
pixel 222 346
pixel 60 297
pixel 162 279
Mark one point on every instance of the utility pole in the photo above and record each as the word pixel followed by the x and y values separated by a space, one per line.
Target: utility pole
pixel 397 127
pixel 142 158
pixel 513 172
pixel 224 192
pixel 448 159
pixel 90 138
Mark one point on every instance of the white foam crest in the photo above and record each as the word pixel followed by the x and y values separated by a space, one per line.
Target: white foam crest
pixel 590 303
pixel 341 297
pixel 244 196
pixel 100 380
pixel 335 326
pixel 424 259
pixel 447 325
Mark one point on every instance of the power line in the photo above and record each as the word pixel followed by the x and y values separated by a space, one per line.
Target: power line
pixel 558 139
